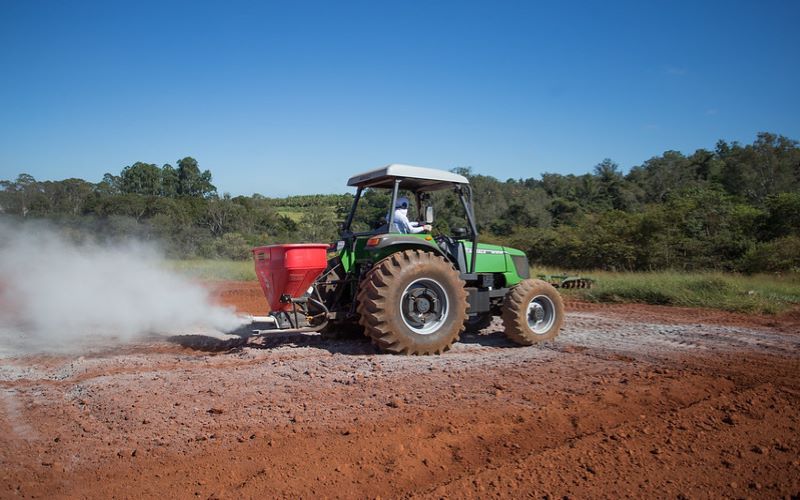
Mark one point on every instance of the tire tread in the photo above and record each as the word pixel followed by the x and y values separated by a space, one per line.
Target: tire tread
pixel 377 314
pixel 515 307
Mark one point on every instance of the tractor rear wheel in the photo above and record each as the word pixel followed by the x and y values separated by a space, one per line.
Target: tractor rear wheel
pixel 532 312
pixel 412 302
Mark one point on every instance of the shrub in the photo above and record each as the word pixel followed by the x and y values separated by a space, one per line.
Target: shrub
pixel 778 255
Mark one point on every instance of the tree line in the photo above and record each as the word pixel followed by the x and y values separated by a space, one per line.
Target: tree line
pixel 735 208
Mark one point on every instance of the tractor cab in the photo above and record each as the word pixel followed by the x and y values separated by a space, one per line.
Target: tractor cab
pixel 459 247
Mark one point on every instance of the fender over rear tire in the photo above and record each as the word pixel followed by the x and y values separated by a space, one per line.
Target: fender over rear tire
pixel 412 302
pixel 532 312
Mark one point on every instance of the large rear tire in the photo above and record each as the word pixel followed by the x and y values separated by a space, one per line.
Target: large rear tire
pixel 532 312
pixel 412 302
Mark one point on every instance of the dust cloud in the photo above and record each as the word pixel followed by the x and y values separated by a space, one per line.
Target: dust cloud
pixel 56 295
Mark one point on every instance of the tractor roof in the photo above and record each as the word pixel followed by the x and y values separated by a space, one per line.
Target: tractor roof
pixel 413 178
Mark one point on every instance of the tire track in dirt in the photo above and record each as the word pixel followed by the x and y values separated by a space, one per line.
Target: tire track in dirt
pixel 13 418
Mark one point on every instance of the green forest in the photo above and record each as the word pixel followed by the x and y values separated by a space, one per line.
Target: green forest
pixel 732 208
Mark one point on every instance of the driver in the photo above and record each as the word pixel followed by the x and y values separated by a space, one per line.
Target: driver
pixel 401 222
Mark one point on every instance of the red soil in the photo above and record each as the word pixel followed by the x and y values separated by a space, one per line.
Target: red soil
pixel 633 401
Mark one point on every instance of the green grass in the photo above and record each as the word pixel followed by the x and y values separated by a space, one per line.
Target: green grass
pixel 214 270
pixel 763 294
pixel 294 213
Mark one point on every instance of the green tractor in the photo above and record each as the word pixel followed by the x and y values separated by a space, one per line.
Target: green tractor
pixel 411 293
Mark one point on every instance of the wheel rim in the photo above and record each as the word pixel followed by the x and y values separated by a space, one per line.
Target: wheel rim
pixel 424 306
pixel 541 314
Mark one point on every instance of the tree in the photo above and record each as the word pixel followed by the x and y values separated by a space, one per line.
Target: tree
pixel 563 211
pixel 192 182
pixel 69 196
pixel 170 182
pixel 613 191
pixel 784 215
pixel 141 178
pixel 23 196
pixel 661 176
pixel 756 171
pixel 109 186
pixel 223 215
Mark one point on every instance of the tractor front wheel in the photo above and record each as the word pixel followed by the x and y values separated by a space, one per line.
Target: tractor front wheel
pixel 412 302
pixel 532 312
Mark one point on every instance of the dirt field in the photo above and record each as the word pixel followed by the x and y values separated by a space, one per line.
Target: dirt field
pixel 630 401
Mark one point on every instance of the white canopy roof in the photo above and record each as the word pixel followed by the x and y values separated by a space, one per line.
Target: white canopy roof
pixel 413 178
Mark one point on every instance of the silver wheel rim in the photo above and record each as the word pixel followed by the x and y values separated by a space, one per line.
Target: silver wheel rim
pixel 541 314
pixel 424 306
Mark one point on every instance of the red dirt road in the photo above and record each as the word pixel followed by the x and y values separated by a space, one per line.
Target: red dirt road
pixel 631 401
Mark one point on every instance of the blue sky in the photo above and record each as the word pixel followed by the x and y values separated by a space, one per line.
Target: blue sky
pixel 293 97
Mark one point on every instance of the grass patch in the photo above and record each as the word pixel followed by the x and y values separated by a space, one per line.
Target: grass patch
pixel 214 270
pixel 763 294
pixel 296 214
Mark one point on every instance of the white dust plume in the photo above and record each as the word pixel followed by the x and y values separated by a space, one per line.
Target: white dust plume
pixel 56 295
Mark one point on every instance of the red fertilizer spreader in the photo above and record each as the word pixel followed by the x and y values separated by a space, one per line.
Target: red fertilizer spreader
pixel 286 273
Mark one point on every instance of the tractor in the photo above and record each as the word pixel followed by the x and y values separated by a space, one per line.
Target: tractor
pixel 409 293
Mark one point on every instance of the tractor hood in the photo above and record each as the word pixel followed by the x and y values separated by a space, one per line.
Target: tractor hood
pixel 498 259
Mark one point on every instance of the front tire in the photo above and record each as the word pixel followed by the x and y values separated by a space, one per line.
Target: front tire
pixel 412 302
pixel 532 312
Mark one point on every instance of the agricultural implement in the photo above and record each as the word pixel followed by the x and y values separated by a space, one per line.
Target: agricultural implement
pixel 410 293
pixel 565 281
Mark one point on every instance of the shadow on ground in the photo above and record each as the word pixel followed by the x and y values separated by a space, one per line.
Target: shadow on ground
pixel 335 342
pixel 248 337
pixel 488 337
